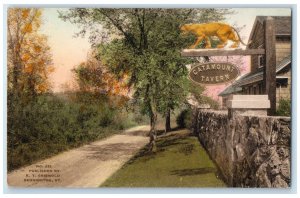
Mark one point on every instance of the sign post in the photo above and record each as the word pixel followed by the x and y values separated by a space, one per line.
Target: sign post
pixel 269 77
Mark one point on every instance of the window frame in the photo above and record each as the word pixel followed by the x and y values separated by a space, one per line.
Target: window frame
pixel 260 61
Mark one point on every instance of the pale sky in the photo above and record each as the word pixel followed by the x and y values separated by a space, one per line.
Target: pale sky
pixel 69 51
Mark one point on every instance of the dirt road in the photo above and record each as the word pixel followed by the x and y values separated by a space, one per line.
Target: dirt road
pixel 87 166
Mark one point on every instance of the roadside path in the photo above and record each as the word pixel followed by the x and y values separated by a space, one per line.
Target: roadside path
pixel 86 166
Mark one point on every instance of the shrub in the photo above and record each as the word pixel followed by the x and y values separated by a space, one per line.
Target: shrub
pixel 46 125
pixel 184 119
pixel 284 107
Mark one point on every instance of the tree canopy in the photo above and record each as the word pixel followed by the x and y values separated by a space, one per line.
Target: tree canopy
pixel 29 57
pixel 146 45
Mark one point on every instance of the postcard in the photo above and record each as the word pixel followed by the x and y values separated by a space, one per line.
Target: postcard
pixel 149 97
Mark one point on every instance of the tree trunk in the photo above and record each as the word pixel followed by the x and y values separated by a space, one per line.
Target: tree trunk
pixel 16 74
pixel 152 135
pixel 31 86
pixel 153 121
pixel 168 121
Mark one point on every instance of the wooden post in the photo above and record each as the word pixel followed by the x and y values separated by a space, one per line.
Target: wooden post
pixel 220 52
pixel 270 67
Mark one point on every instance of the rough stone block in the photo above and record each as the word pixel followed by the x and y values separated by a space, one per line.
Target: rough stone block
pixel 240 152
pixel 251 151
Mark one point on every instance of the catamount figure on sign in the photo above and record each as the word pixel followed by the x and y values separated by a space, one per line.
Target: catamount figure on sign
pixel 202 31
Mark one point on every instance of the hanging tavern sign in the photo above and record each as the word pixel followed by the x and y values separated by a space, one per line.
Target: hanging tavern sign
pixel 213 73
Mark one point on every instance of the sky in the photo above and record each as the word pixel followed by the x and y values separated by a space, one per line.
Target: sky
pixel 69 51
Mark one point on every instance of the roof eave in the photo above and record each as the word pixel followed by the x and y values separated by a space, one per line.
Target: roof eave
pixel 252 31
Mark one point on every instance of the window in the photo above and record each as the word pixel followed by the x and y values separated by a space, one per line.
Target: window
pixel 282 82
pixel 261 61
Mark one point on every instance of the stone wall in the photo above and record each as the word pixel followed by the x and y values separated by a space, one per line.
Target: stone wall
pixel 250 151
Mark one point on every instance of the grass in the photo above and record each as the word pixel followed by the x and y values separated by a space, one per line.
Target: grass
pixel 179 161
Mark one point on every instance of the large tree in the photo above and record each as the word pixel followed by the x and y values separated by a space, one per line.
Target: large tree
pixel 146 44
pixel 29 57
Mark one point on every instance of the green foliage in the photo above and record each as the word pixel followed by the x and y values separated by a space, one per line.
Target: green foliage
pixel 284 107
pixel 157 71
pixel 88 78
pixel 48 125
pixel 146 44
pixel 184 119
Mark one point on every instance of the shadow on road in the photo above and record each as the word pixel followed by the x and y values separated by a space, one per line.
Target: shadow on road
pixel 109 151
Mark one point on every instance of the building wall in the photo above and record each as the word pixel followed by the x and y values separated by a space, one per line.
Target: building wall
pixel 250 151
pixel 257 43
pixel 283 48
pixel 284 91
pixel 253 88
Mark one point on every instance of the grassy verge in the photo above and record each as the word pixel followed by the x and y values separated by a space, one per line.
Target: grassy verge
pixel 180 161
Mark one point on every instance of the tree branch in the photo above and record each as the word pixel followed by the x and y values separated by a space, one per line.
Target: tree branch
pixel 128 37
